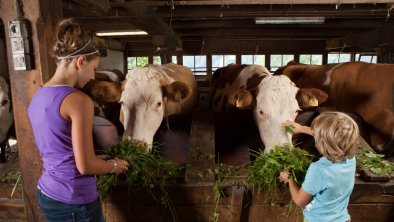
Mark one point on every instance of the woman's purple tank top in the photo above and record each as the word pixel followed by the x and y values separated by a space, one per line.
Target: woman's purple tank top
pixel 60 177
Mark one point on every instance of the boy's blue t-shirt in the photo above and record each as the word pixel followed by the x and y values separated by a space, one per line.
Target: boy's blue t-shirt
pixel 330 185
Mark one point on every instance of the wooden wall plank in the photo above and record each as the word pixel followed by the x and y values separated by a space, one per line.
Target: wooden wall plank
pixel 23 86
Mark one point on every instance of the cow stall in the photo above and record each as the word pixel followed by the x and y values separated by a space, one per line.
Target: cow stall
pixel 192 141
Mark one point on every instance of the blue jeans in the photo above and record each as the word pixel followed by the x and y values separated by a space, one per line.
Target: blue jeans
pixel 56 211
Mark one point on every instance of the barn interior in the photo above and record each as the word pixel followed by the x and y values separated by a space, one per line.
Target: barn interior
pixel 223 32
pixel 203 35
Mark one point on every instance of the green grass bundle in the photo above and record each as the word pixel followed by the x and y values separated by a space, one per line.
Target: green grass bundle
pixel 369 160
pixel 265 170
pixel 146 169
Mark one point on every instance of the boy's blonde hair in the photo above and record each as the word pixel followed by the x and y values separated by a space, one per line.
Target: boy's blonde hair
pixel 336 135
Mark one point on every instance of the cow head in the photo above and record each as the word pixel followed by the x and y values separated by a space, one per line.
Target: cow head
pixel 274 101
pixel 5 110
pixel 144 97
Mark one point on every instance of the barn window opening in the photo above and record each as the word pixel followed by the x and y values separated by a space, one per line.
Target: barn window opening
pixel 198 64
pixel 174 59
pixel 156 60
pixel 219 61
pixel 279 61
pixel 337 57
pixel 253 59
pixel 133 62
pixel 366 57
pixel 313 59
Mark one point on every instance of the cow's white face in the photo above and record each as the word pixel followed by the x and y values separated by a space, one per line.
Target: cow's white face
pixel 275 103
pixel 5 110
pixel 142 110
pixel 148 94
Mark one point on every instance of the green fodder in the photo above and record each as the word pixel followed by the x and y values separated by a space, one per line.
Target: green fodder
pixel 369 160
pixel 264 171
pixel 146 169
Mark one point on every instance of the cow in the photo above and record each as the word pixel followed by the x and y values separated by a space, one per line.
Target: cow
pixel 111 75
pixel 354 87
pixel 6 117
pixel 273 99
pixel 147 95
pixel 107 110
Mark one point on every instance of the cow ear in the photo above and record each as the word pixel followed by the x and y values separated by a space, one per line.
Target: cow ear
pixel 106 91
pixel 176 91
pixel 243 99
pixel 310 97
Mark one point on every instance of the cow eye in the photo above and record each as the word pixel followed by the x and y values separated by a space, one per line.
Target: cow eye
pixel 261 114
pixel 158 104
pixel 4 102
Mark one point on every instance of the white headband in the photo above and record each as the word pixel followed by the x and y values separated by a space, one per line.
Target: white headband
pixel 72 55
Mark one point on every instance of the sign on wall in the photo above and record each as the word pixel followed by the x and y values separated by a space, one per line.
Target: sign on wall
pixel 20 44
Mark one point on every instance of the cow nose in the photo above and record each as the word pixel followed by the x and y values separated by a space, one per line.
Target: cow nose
pixel 139 143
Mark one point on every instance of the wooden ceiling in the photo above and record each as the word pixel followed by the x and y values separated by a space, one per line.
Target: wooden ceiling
pixel 198 26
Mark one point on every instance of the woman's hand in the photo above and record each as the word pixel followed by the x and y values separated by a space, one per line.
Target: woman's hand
pixel 122 165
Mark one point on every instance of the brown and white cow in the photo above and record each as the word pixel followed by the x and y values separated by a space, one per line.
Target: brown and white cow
pixel 273 99
pixel 6 117
pixel 354 87
pixel 147 95
pixel 102 108
pixel 110 75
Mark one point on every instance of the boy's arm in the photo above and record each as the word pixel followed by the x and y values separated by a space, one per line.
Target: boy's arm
pixel 298 128
pixel 299 196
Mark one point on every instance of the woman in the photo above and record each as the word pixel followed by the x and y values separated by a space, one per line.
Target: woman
pixel 61 117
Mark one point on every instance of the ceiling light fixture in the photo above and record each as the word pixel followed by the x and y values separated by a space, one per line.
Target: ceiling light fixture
pixel 289 20
pixel 120 33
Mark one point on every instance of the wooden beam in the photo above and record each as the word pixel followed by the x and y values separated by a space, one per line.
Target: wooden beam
pixel 365 40
pixel 264 10
pixel 98 6
pixel 242 23
pixel 221 46
pixel 253 2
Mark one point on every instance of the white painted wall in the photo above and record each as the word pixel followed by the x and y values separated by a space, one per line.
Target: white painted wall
pixel 114 60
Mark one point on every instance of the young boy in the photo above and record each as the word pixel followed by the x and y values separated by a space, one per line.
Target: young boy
pixel 324 195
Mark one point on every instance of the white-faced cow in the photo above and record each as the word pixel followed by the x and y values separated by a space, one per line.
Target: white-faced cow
pixel 6 118
pixel 273 99
pixel 354 87
pixel 147 95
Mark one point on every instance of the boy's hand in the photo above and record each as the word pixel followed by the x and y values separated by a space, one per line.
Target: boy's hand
pixel 295 126
pixel 284 176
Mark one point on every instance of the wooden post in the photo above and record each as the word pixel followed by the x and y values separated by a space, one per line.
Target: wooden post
pixel 237 198
pixel 25 83
pixel 165 56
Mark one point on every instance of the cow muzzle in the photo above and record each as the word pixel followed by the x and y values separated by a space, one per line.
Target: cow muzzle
pixel 139 143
